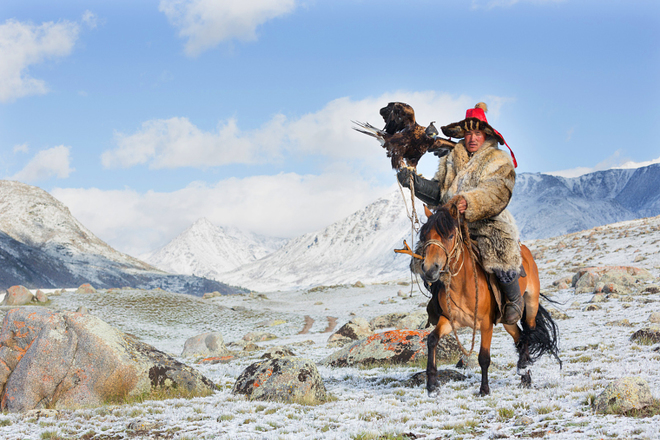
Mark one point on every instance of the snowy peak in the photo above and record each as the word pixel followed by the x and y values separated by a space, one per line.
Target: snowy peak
pixel 43 246
pixel 357 248
pixel 547 206
pixel 34 218
pixel 207 250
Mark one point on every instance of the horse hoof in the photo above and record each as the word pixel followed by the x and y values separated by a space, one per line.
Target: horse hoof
pixel 526 380
pixel 484 391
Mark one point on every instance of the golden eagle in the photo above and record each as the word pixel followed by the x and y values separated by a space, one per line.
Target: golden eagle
pixel 404 139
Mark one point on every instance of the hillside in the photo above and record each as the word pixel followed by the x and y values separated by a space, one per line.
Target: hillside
pixel 207 250
pixel 360 247
pixel 43 246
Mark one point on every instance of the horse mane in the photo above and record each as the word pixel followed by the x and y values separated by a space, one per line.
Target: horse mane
pixel 442 221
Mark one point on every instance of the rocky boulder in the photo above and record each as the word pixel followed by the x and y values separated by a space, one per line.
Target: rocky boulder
pixel 67 360
pixel 392 347
pixel 386 321
pixel 277 352
pixel 204 345
pixel 623 395
pixel 17 296
pixel 415 320
pixel 86 288
pixel 648 335
pixel 354 330
pixel 259 337
pixel 40 297
pixel 619 279
pixel 284 379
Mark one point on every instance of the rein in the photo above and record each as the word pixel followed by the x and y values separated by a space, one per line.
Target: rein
pixel 461 240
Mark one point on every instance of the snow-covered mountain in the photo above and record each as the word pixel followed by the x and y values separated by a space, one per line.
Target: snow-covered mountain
pixel 207 250
pixel 360 247
pixel 357 248
pixel 547 206
pixel 42 245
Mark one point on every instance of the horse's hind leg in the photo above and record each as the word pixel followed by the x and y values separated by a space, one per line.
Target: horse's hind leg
pixel 524 358
pixel 442 328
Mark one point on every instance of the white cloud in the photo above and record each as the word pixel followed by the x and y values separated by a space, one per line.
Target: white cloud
pixel 615 161
pixel 53 162
pixel 207 23
pixel 90 19
pixel 177 142
pixel 22 148
pixel 631 164
pixel 23 45
pixel 283 205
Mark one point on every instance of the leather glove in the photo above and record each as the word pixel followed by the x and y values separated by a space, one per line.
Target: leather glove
pixel 428 191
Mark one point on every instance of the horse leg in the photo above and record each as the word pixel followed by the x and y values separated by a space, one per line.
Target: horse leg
pixel 441 329
pixel 524 359
pixel 484 356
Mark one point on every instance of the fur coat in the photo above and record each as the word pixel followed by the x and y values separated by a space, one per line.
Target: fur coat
pixel 486 182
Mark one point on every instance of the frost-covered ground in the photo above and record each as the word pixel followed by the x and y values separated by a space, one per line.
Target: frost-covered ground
pixel 369 403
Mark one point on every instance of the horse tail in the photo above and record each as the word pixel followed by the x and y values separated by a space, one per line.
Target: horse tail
pixel 543 339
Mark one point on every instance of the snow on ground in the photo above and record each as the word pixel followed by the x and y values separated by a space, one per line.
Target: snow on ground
pixel 369 403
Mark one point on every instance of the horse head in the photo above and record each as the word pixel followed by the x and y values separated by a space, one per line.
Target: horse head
pixel 440 239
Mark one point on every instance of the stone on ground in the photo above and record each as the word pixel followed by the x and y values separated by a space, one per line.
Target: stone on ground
pixel 277 352
pixel 258 336
pixel 204 345
pixel 624 395
pixel 59 359
pixel 86 288
pixel 392 347
pixel 17 296
pixel 354 330
pixel 647 335
pixel 285 379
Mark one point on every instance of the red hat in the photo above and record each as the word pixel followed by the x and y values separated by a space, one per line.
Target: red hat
pixel 475 119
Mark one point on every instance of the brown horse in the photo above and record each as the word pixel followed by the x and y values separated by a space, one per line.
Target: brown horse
pixel 461 297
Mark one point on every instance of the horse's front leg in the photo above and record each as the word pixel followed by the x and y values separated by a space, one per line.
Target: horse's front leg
pixel 441 329
pixel 484 356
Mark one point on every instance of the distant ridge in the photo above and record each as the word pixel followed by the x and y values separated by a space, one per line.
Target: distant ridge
pixel 360 247
pixel 207 250
pixel 43 246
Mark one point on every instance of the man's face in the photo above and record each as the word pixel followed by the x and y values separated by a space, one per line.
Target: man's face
pixel 474 139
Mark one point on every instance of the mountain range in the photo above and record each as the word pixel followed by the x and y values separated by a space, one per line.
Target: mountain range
pixel 43 246
pixel 360 247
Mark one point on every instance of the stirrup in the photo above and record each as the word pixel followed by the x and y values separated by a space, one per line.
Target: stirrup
pixel 518 309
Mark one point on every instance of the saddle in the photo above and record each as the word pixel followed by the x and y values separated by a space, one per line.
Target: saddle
pixel 433 308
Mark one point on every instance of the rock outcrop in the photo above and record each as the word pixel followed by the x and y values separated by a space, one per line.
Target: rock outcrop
pixel 70 360
pixel 17 296
pixel 354 330
pixel 609 279
pixel 284 379
pixel 624 395
pixel 392 347
pixel 209 344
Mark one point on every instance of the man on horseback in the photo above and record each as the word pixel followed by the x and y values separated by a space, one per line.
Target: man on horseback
pixel 479 177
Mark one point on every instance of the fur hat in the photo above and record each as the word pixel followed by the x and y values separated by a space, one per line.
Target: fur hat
pixel 475 119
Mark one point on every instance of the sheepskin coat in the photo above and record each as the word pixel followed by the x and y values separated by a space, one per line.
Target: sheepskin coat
pixel 486 182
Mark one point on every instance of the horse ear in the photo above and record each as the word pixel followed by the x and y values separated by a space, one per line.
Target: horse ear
pixel 427 211
pixel 453 209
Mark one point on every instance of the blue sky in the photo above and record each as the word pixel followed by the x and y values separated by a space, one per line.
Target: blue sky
pixel 143 116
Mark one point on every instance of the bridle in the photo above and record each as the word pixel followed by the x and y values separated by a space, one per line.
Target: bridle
pixel 446 276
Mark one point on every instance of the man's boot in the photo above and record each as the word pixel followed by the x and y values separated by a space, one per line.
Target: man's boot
pixel 514 306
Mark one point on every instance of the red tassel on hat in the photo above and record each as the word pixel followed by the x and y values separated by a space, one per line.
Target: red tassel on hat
pixel 479 112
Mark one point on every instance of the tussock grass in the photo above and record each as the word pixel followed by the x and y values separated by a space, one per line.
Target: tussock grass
pixel 156 393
